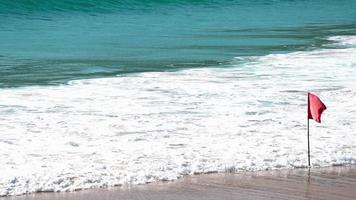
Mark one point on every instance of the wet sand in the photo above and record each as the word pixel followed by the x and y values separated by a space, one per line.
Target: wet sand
pixel 318 183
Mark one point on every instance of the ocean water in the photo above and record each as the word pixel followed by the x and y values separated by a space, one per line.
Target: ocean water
pixel 106 93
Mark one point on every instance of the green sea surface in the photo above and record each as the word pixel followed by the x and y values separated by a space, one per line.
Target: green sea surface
pixel 45 42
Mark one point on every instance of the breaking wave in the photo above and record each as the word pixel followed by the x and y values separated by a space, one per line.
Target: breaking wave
pixel 155 126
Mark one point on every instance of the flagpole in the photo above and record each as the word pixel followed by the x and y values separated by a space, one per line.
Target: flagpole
pixel 308 146
pixel 308 132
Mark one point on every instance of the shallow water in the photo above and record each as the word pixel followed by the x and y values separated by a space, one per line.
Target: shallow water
pixel 101 94
pixel 154 126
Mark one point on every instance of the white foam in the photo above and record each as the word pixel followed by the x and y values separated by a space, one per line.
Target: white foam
pixel 344 40
pixel 160 126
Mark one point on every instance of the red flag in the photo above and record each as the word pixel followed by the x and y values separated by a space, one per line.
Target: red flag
pixel 315 107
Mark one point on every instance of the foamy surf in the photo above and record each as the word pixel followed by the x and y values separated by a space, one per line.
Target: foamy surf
pixel 344 40
pixel 160 126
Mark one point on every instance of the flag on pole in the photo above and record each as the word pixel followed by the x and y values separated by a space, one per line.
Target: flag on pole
pixel 315 107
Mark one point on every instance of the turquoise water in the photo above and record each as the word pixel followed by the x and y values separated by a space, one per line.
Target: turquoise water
pixel 51 42
pixel 226 89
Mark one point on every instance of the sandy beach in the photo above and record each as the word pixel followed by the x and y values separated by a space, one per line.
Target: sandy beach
pixel 318 183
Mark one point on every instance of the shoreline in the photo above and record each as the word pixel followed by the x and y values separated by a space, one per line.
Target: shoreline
pixel 338 182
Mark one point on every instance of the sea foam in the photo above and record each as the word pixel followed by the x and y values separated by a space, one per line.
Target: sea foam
pixel 148 127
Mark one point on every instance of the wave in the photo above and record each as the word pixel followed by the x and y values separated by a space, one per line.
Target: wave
pixel 107 6
pixel 147 127
pixel 95 6
pixel 344 40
